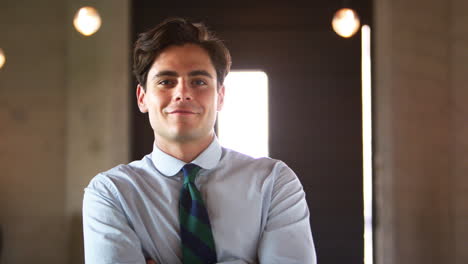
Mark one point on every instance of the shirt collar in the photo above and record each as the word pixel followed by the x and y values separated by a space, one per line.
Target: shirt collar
pixel 170 166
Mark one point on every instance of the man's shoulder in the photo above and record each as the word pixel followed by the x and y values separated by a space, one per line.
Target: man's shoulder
pixel 122 174
pixel 264 171
pixel 242 160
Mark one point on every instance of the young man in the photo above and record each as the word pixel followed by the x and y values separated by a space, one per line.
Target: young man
pixel 190 200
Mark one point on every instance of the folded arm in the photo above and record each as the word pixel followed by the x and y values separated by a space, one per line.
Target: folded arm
pixel 287 237
pixel 108 238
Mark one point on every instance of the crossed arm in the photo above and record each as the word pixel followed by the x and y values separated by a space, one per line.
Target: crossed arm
pixel 286 237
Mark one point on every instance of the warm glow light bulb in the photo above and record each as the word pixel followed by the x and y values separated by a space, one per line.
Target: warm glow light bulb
pixel 87 20
pixel 346 22
pixel 2 58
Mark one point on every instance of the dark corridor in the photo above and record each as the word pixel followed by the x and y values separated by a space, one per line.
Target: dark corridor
pixel 315 101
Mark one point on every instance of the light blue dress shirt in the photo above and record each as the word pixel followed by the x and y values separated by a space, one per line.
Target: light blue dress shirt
pixel 257 210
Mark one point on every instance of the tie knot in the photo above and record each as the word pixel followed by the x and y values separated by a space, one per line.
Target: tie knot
pixel 190 172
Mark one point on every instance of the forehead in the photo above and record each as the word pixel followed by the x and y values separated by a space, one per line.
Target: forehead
pixel 182 59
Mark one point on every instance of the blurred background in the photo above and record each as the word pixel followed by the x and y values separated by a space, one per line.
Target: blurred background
pixel 397 174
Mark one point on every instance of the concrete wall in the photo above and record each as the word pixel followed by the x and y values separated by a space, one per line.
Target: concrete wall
pixel 63 118
pixel 97 107
pixel 459 85
pixel 32 131
pixel 421 90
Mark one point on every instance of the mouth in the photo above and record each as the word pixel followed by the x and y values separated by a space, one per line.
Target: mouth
pixel 182 112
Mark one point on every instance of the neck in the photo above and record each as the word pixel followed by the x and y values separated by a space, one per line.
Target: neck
pixel 184 151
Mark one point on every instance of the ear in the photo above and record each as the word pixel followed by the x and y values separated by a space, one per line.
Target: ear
pixel 140 94
pixel 221 92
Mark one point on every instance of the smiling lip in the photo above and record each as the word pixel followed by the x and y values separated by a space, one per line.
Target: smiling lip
pixel 182 112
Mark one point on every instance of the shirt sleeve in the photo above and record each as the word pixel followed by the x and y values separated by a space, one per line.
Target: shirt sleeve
pixel 287 237
pixel 108 238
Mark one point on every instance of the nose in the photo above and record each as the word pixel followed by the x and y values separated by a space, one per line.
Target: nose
pixel 183 92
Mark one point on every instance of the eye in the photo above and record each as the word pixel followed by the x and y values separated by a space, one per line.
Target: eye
pixel 166 82
pixel 199 82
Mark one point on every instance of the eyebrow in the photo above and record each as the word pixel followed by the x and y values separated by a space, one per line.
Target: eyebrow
pixel 200 72
pixel 165 73
pixel 175 74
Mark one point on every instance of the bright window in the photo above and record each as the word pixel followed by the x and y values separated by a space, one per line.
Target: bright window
pixel 243 121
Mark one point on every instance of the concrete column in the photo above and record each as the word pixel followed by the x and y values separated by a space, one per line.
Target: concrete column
pixel 420 155
pixel 32 131
pixel 63 118
pixel 459 90
pixel 98 79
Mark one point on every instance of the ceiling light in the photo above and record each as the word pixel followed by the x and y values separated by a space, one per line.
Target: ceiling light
pixel 2 58
pixel 346 22
pixel 87 20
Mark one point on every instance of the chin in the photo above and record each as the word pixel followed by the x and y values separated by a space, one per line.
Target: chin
pixel 191 136
pixel 185 136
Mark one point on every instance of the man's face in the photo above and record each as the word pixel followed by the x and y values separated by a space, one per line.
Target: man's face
pixel 181 95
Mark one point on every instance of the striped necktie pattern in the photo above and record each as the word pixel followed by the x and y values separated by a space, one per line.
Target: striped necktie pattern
pixel 198 245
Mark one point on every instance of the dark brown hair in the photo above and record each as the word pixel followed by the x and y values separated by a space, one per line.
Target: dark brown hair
pixel 178 31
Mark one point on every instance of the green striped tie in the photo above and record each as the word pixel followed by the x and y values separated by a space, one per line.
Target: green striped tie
pixel 195 229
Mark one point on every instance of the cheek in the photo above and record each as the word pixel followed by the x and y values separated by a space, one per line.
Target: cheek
pixel 211 104
pixel 157 101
